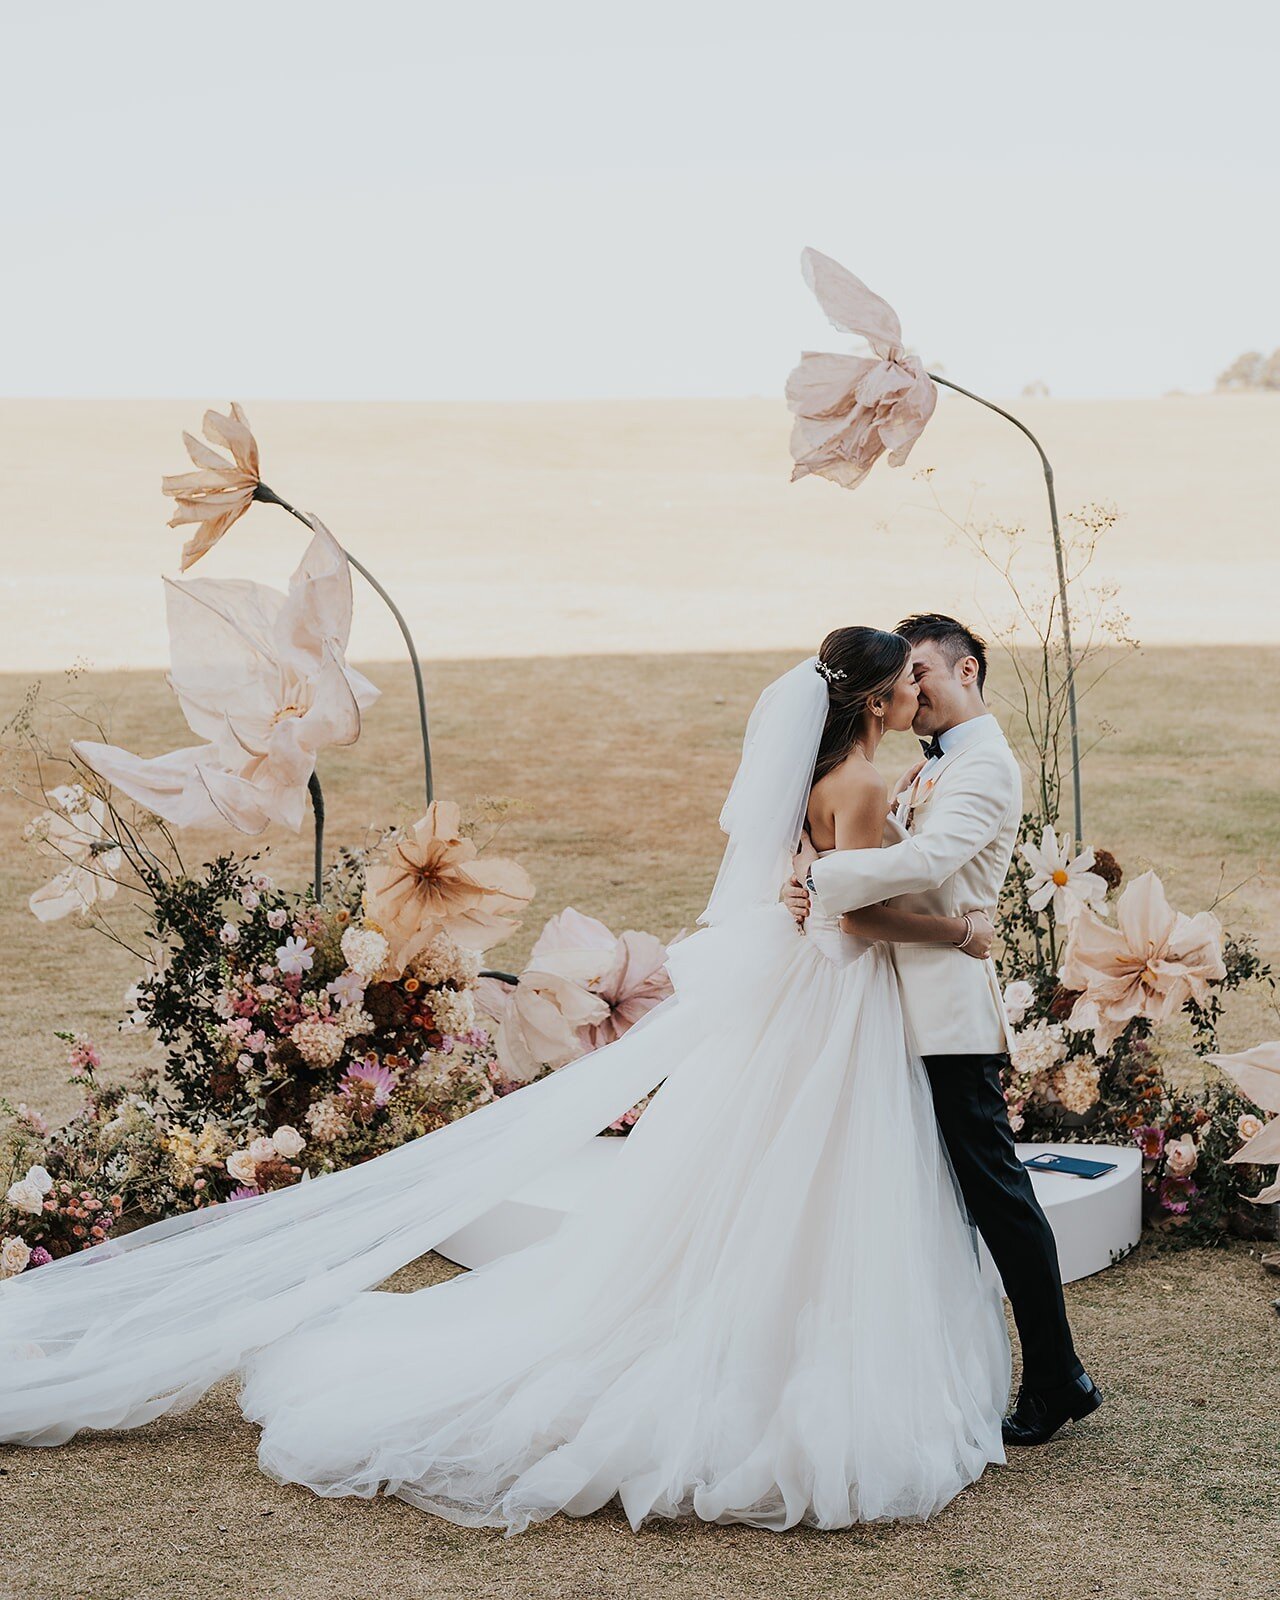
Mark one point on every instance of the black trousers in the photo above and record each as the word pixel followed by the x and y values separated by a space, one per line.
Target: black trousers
pixel 974 1122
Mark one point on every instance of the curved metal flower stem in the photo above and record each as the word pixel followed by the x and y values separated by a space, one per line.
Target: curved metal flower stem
pixel 270 497
pixel 1062 592
pixel 317 811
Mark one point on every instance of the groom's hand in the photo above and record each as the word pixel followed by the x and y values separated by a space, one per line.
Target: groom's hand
pixel 795 896
pixel 796 899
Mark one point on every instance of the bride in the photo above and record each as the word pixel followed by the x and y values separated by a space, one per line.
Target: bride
pixel 769 1310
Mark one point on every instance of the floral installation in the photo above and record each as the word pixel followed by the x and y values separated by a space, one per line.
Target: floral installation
pixel 1114 998
pixel 291 1046
pixel 297 1039
pixel 296 1032
pixel 1114 1034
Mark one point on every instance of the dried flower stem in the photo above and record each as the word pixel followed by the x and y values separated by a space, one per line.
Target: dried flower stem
pixel 1062 590
pixel 270 497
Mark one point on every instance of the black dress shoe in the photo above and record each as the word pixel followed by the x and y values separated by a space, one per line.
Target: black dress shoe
pixel 1039 1413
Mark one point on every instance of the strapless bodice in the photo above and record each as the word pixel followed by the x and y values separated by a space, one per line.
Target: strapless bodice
pixel 836 944
pixel 826 932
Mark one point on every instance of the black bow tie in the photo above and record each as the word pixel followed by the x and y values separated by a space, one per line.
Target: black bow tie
pixel 932 749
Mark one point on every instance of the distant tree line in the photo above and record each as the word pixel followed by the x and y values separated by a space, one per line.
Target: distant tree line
pixel 1252 371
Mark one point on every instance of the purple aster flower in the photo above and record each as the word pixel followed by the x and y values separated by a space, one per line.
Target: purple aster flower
pixel 368 1080
pixel 1150 1141
pixel 1176 1194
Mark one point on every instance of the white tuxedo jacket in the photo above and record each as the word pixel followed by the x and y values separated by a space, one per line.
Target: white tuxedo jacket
pixel 963 819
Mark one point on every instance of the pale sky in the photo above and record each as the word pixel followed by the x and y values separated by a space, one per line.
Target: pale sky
pixel 569 198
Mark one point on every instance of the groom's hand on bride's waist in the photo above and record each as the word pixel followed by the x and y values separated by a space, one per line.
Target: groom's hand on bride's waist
pixel 795 896
pixel 796 899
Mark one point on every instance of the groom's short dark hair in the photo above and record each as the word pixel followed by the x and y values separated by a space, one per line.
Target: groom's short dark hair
pixel 952 637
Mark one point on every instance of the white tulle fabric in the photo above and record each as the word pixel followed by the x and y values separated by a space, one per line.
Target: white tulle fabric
pixel 770 1312
pixel 765 807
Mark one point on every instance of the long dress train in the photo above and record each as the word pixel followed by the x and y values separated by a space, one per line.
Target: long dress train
pixel 771 1312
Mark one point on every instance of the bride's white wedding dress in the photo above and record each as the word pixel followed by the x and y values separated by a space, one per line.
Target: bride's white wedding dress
pixel 769 1311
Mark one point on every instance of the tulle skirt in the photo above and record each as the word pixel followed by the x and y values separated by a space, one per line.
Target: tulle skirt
pixel 768 1311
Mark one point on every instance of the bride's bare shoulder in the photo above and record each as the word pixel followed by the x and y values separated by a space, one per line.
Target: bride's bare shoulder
pixel 850 795
pixel 854 781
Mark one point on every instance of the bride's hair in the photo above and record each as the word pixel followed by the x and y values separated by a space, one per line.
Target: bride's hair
pixel 860 665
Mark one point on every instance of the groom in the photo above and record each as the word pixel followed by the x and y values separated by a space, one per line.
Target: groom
pixel 961 811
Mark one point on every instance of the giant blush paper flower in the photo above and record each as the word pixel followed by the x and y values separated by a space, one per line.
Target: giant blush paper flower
pixel 1060 879
pixel 75 834
pixel 540 1021
pixel 1257 1074
pixel 583 987
pixel 219 491
pixel 850 409
pixel 434 882
pixel 627 971
pixel 262 677
pixel 1149 965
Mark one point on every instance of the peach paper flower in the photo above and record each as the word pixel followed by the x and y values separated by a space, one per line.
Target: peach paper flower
pixel 432 882
pixel 1149 965
pixel 260 675
pixel 850 409
pixel 219 492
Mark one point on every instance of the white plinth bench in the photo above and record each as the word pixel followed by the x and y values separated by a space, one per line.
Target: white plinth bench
pixel 1095 1221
